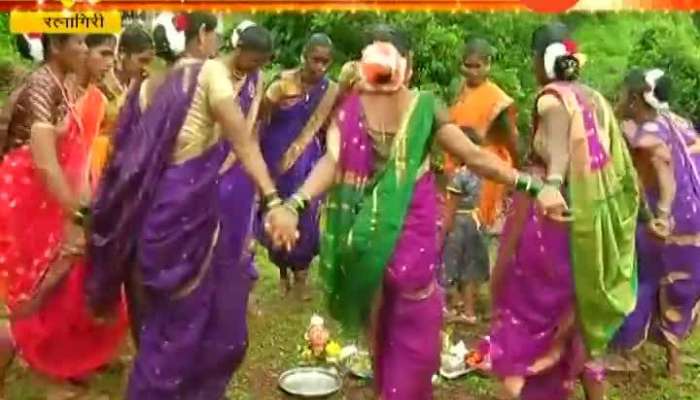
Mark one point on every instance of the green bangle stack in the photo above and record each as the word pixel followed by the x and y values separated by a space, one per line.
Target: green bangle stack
pixel 271 200
pixel 298 203
pixel 528 184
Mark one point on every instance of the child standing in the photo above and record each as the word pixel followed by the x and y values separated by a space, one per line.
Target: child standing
pixel 465 253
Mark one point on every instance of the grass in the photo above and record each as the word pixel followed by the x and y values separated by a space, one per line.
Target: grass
pixel 277 334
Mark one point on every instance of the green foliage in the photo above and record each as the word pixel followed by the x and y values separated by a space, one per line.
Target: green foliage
pixel 672 45
pixel 612 42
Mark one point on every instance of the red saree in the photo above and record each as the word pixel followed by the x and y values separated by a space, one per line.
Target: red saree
pixel 58 337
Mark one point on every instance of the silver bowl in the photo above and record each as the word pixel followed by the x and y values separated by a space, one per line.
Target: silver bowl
pixel 310 382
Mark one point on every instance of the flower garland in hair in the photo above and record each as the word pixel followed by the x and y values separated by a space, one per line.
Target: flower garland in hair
pixel 236 35
pixel 175 26
pixel 382 68
pixel 652 77
pixel 563 54
pixel 36 49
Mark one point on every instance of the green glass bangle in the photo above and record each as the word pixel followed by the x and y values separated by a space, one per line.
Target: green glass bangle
pixel 523 182
pixel 535 188
pixel 271 200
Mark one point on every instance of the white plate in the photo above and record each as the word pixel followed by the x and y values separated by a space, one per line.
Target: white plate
pixel 456 373
pixel 310 382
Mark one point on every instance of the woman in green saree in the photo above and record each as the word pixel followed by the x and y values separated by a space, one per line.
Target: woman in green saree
pixel 379 251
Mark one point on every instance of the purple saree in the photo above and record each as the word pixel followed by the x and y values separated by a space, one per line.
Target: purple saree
pixel 291 146
pixel 237 193
pixel 380 236
pixel 193 334
pixel 669 273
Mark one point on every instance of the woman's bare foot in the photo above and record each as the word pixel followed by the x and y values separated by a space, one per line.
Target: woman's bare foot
pixel 301 288
pixel 594 388
pixel 673 362
pixel 510 388
pixel 285 285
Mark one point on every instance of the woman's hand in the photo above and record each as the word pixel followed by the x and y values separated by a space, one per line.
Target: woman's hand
pixel 74 240
pixel 552 204
pixel 281 226
pixel 661 227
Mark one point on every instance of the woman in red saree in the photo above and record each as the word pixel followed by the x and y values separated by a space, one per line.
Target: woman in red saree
pixel 484 107
pixel 45 182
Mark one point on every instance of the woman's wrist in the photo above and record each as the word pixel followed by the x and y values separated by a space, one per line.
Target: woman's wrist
pixel 526 183
pixel 663 212
pixel 81 216
pixel 298 203
pixel 270 200
pixel 555 180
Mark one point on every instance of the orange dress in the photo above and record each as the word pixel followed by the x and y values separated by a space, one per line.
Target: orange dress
pixel 102 143
pixel 478 108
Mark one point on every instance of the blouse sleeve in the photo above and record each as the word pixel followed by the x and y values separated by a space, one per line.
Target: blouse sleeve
pixel 216 82
pixel 40 103
pixel 274 92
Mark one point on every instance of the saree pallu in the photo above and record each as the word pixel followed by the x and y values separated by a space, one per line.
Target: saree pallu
pixel 380 236
pixel 194 334
pixel 291 148
pixel 60 339
pixel 669 271
pixel 479 109
pixel 237 191
pixel 562 291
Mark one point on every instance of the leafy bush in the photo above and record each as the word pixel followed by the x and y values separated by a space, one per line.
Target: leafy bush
pixel 612 41
pixel 671 45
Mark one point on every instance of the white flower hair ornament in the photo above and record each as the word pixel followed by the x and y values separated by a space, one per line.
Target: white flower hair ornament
pixel 651 78
pixel 559 49
pixel 174 30
pixel 36 49
pixel 236 35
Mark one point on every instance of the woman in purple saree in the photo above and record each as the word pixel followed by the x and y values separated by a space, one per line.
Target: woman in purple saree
pixel 161 193
pixel 666 148
pixel 252 46
pixel 298 105
pixel 379 252
pixel 562 287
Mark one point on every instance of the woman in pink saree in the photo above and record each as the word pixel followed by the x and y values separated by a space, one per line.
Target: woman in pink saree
pixel 379 251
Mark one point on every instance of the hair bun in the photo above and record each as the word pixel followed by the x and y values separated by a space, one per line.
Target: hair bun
pixel 567 68
pixel 30 47
pixel 174 37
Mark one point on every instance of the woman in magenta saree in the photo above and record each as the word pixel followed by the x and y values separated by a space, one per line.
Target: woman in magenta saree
pixel 379 251
pixel 664 146
pixel 562 287
pixel 162 191
pixel 298 105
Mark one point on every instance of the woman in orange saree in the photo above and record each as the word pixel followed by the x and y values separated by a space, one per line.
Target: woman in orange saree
pixel 135 53
pixel 484 107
